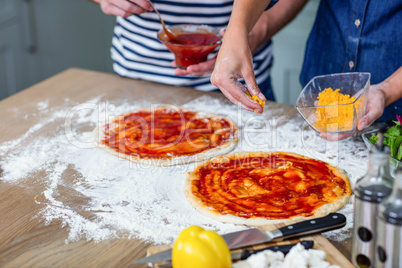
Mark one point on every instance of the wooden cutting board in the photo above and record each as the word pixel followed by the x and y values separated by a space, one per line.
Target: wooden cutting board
pixel 320 242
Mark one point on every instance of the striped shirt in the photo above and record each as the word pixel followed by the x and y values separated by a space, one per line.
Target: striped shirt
pixel 137 53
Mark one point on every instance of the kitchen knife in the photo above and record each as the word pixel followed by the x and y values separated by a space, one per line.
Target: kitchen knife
pixel 256 236
pixel 244 254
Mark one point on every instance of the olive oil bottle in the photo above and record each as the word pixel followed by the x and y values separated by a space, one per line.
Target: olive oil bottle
pixel 369 192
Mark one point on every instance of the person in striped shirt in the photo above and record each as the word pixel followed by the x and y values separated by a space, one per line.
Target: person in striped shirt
pixel 137 53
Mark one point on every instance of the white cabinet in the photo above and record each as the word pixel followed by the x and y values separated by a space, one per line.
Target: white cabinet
pixel 10 76
pixel 39 38
pixel 14 54
pixel 72 33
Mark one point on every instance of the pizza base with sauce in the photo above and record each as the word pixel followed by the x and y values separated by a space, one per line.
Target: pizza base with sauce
pixel 263 188
pixel 167 136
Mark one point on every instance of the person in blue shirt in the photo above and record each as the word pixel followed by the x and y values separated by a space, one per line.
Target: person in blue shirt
pixel 347 36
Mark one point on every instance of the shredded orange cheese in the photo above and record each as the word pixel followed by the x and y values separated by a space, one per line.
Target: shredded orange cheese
pixel 335 117
pixel 255 98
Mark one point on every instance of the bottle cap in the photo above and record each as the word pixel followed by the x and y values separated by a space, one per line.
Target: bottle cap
pixel 380 141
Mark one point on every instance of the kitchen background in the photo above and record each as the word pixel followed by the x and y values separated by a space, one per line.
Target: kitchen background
pixel 40 38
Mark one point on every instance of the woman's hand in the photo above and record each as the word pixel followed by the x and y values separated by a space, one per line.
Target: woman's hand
pixel 124 8
pixel 200 69
pixel 234 62
pixel 376 102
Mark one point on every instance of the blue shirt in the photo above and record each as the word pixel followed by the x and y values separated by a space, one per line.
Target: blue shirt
pixel 356 36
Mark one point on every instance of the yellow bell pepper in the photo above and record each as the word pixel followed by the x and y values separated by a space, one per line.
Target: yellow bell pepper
pixel 198 248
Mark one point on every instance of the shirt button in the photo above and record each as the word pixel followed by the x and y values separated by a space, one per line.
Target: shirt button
pixel 351 64
pixel 357 23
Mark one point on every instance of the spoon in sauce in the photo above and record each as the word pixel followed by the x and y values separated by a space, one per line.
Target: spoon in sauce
pixel 168 32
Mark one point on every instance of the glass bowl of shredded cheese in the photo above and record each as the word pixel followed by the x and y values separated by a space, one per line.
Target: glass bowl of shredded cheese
pixel 334 103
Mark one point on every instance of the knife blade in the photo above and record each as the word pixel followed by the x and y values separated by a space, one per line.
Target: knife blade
pixel 244 254
pixel 256 236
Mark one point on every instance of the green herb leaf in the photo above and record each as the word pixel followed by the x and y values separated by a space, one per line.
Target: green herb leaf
pixel 392 138
pixel 373 139
pixel 394 145
pixel 399 154
pixel 394 131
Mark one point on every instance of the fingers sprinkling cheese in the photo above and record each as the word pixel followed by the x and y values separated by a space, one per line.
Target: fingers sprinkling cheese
pixel 256 99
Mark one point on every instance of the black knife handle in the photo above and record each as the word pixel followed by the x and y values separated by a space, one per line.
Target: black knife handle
pixel 318 225
pixel 307 244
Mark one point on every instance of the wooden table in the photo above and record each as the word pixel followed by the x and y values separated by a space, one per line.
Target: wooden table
pixel 25 240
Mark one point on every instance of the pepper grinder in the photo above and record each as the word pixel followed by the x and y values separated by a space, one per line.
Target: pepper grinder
pixel 369 191
pixel 389 229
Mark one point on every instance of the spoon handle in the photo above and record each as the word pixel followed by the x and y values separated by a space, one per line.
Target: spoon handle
pixel 169 33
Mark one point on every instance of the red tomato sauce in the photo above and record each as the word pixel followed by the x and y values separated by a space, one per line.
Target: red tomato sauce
pixel 195 48
pixel 165 133
pixel 197 39
pixel 268 186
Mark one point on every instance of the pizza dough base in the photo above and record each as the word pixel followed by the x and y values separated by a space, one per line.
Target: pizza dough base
pixel 259 221
pixel 98 135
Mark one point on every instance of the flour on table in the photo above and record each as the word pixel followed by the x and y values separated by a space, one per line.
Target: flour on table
pixel 118 198
pixel 42 105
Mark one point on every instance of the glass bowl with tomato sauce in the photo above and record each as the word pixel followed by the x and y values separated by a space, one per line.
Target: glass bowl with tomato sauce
pixel 197 42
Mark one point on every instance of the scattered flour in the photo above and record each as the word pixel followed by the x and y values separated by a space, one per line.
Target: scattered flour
pixel 118 198
pixel 42 105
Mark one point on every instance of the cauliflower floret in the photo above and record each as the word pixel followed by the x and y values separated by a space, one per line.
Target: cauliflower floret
pixel 273 257
pixel 298 257
pixel 262 259
pixel 316 257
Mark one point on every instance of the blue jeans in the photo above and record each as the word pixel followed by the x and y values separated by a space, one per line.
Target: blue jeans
pixel 266 89
pixel 391 111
